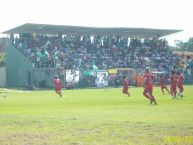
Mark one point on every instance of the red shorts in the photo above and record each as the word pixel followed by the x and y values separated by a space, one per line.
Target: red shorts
pixel 125 90
pixel 58 88
pixel 163 87
pixel 173 88
pixel 181 88
pixel 148 87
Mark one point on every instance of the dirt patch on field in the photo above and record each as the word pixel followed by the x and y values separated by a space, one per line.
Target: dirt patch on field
pixel 24 138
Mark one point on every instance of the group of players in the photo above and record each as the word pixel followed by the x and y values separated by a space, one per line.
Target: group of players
pixel 176 82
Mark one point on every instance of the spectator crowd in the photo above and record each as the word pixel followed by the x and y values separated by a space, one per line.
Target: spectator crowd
pixel 106 52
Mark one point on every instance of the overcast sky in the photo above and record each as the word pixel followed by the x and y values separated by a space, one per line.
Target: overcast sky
pixel 162 14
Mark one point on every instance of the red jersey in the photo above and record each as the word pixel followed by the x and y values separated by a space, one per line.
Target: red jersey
pixel 125 83
pixel 180 79
pixel 162 81
pixel 173 79
pixel 148 77
pixel 58 84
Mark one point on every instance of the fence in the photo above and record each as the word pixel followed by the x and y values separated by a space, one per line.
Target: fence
pixel 43 77
pixel 39 77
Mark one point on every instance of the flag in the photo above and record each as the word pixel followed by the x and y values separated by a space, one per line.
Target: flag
pixel 94 67
pixel 89 73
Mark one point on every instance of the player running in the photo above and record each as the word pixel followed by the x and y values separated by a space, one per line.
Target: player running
pixel 148 85
pixel 125 86
pixel 163 84
pixel 173 84
pixel 180 79
pixel 58 85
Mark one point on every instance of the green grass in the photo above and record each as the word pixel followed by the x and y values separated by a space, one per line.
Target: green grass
pixel 93 117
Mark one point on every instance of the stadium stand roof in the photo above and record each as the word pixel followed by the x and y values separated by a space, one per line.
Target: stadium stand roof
pixel 63 29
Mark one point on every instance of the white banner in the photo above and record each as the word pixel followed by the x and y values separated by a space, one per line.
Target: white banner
pixel 102 79
pixel 72 76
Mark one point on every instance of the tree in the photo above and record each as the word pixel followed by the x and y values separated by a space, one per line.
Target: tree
pixel 179 45
pixel 189 44
pixel 184 46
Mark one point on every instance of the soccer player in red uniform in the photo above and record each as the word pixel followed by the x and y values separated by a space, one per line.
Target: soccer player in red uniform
pixel 163 85
pixel 180 80
pixel 173 84
pixel 148 86
pixel 58 85
pixel 125 86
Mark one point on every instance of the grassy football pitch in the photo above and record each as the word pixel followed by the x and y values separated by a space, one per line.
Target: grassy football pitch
pixel 94 117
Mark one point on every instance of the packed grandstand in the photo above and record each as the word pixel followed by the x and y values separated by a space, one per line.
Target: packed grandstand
pixel 81 51
pixel 81 48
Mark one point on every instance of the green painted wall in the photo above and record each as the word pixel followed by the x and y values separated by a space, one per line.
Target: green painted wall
pixel 15 60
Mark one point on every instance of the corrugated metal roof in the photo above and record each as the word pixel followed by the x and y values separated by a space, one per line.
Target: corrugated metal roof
pixel 63 29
